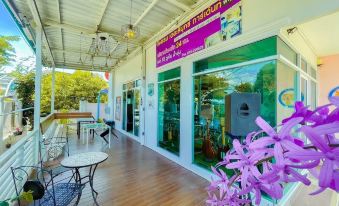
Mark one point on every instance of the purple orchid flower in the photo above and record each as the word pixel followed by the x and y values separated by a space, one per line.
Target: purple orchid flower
pixel 281 141
pixel 329 156
pixel 222 196
pixel 246 162
pixel 222 178
pixel 300 111
pixel 286 173
pixel 273 189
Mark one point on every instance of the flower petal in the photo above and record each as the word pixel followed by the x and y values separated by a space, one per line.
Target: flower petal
pixel 235 165
pixel 278 154
pixel 299 177
pixel 326 173
pixel 315 138
pixel 265 126
pixel 327 128
pixel 261 143
pixel 288 126
pixel 304 155
pixel 238 148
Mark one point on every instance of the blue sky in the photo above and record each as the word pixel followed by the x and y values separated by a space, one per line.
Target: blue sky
pixel 9 28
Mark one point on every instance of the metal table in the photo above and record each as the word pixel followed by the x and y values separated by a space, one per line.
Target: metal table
pixel 82 160
pixel 83 120
pixel 87 127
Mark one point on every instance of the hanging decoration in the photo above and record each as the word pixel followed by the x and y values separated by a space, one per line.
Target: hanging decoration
pixel 130 31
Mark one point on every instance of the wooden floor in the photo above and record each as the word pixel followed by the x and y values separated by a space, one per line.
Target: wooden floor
pixel 134 175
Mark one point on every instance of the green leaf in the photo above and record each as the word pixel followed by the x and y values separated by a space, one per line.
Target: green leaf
pixel 28 196
pixel 4 203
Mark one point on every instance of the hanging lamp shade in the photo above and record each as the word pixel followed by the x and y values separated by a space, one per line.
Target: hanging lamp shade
pixel 129 31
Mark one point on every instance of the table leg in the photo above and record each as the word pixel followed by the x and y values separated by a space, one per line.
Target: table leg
pixel 91 176
pixel 109 137
pixel 78 129
pixel 78 180
pixel 83 135
pixel 87 136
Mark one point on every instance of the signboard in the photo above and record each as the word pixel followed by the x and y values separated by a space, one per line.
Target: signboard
pixel 219 22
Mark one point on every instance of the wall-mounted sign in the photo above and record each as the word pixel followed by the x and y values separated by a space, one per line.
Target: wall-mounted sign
pixel 219 22
pixel 150 89
pixel 334 92
pixel 118 108
pixel 287 98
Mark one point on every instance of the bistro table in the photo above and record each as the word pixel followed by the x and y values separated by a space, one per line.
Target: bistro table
pixel 88 127
pixel 82 160
pixel 81 121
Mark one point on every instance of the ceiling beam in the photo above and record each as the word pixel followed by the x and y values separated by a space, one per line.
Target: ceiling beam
pixel 147 10
pixel 61 33
pixel 179 5
pixel 36 16
pixel 102 13
pixel 97 68
pixel 87 32
pixel 75 52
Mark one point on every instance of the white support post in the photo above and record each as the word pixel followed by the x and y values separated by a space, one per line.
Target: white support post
pixel 2 108
pixel 111 95
pixel 143 98
pixel 53 91
pixel 37 99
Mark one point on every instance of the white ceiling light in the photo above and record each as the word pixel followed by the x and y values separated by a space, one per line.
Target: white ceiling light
pixel 101 45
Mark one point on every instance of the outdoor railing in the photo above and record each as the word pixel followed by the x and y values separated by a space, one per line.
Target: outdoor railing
pixel 24 152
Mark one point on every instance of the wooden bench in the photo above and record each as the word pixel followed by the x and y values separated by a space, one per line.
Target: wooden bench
pixel 53 140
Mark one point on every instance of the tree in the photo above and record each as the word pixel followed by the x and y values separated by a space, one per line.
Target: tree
pixel 70 89
pixel 25 89
pixel 7 51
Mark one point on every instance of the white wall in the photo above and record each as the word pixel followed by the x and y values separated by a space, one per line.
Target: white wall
pixel 129 71
pixel 261 18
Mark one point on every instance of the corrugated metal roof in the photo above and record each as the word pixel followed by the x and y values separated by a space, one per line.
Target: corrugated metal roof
pixel 67 21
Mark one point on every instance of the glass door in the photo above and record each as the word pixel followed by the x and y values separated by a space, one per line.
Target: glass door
pixel 131 107
pixel 169 110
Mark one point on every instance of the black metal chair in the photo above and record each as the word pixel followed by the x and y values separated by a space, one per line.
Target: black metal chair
pixel 44 190
pixel 111 124
pixel 53 149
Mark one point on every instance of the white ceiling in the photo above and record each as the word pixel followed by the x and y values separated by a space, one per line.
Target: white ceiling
pixel 65 20
pixel 323 34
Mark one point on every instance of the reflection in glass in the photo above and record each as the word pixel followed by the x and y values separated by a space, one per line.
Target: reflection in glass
pixel 136 111
pixel 169 116
pixel 131 107
pixel 211 139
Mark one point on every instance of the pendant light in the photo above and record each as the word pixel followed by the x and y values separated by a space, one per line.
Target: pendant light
pixel 129 31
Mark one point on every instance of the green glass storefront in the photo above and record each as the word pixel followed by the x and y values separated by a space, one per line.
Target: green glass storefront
pixel 169 110
pixel 254 72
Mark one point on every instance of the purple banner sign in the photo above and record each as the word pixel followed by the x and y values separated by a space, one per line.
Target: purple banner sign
pixel 217 23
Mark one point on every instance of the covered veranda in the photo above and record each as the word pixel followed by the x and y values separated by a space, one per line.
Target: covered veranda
pixel 121 38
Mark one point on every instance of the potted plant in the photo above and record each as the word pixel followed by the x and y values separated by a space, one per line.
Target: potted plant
pixel 9 141
pixel 24 196
pixel 17 131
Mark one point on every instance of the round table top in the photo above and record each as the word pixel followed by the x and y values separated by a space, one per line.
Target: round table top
pixel 84 159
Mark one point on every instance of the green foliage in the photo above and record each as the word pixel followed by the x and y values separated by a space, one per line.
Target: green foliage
pixel 244 87
pixel 25 89
pixel 70 89
pixel 7 51
pixel 24 196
